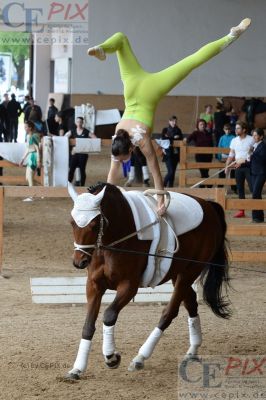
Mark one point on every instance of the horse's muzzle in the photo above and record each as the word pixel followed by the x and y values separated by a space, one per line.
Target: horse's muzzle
pixel 81 264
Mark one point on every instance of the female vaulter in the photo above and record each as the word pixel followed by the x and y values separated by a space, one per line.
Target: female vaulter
pixel 142 93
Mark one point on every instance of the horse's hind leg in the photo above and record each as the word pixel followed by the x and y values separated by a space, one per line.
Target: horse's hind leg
pixel 195 337
pixel 169 313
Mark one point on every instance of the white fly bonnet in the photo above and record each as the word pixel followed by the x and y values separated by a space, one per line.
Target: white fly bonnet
pixel 86 207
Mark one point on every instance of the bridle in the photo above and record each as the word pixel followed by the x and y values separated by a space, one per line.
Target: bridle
pixel 98 245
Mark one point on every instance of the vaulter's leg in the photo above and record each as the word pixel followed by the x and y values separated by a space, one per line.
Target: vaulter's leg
pixel 94 296
pixel 169 313
pixel 194 327
pixel 29 176
pixel 119 44
pixel 165 80
pixel 125 292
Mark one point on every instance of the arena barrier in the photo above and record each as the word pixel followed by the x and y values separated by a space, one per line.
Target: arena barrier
pixel 216 194
pixel 14 177
pixel 72 290
pixel 55 158
pixel 54 164
pixel 187 163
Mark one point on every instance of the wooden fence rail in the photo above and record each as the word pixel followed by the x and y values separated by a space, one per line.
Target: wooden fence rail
pixel 185 164
pixel 16 179
pixel 186 152
pixel 216 194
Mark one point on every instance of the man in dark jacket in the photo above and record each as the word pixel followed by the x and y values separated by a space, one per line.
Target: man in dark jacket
pixel 13 110
pixel 52 111
pixel 26 105
pixel 258 171
pixel 171 158
pixel 33 112
pixel 3 123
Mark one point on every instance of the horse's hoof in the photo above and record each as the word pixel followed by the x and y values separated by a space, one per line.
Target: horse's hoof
pixel 136 366
pixel 113 361
pixel 73 375
pixel 190 356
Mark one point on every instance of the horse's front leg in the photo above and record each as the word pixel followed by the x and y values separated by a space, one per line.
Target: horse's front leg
pixel 94 297
pixel 125 292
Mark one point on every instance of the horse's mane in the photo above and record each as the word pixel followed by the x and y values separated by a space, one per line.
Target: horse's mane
pixel 114 205
pixel 97 187
pixel 113 193
pixel 111 189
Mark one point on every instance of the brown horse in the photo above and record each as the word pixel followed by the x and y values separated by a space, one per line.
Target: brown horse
pixel 239 105
pixel 107 245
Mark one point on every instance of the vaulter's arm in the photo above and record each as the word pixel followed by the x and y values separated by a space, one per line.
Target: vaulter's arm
pixel 114 171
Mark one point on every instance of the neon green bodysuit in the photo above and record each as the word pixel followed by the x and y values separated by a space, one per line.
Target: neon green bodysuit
pixel 144 90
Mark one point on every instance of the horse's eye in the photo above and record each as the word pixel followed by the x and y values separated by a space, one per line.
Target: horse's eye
pixel 72 222
pixel 93 226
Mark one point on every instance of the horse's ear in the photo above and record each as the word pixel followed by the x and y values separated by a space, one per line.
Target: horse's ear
pixel 99 196
pixel 71 191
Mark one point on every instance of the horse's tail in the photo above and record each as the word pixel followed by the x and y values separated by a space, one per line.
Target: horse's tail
pixel 215 277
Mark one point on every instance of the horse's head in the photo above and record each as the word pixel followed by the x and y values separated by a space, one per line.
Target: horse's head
pixel 87 221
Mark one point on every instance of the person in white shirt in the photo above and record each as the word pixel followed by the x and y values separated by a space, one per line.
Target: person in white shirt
pixel 240 150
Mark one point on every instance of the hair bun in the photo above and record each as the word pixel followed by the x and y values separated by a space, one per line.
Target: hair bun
pixel 121 133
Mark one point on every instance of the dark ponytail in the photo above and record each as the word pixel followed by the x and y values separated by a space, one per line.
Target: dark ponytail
pixel 121 143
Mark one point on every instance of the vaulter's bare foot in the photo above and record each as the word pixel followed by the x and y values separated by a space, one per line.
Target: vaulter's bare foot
pixel 97 52
pixel 242 27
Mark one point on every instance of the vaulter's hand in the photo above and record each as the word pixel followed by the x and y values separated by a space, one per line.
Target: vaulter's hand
pixel 161 209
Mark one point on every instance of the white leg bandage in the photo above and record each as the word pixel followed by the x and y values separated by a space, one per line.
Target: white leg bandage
pixel 29 175
pixel 147 348
pixel 131 175
pixel 145 173
pixel 195 337
pixel 83 355
pixel 108 340
pixel 77 175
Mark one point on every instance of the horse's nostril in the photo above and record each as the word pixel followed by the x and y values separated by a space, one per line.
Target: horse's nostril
pixel 82 264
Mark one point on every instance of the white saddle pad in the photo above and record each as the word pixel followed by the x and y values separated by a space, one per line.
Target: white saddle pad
pixel 183 214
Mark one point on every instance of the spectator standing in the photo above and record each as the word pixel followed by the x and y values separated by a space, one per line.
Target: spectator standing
pixel 60 126
pixel 6 122
pixel 52 111
pixel 3 123
pixel 233 118
pixel 79 160
pixel 32 153
pixel 258 171
pixel 171 154
pixel 5 101
pixel 34 113
pixel 208 117
pixel 240 149
pixel 220 119
pixel 13 110
pixel 201 138
pixel 26 105
pixel 224 142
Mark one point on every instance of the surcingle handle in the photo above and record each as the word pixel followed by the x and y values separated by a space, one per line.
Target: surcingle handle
pixel 150 192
